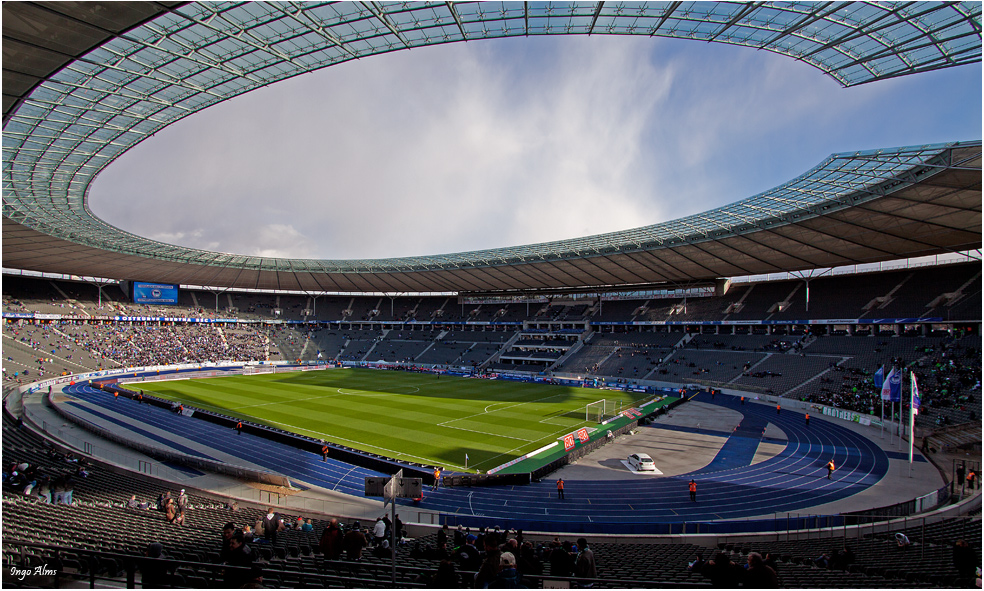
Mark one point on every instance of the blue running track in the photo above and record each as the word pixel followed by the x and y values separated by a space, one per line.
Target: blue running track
pixel 729 488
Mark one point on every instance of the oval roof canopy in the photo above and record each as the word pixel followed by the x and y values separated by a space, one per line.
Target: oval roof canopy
pixel 155 63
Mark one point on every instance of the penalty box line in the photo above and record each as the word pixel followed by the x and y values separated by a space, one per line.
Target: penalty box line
pixel 487 411
pixel 446 424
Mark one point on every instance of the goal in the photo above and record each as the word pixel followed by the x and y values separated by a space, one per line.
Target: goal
pixel 596 411
pixel 602 410
pixel 250 370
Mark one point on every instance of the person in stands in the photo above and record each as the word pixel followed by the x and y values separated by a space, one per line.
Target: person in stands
pixel 354 541
pixel 331 541
pixel 507 577
pixel 584 565
pixel 758 575
pixel 272 523
pixel 240 558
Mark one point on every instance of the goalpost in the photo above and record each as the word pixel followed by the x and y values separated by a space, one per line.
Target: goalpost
pixel 595 411
pixel 601 410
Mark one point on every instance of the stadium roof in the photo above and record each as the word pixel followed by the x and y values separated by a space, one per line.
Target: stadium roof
pixel 84 82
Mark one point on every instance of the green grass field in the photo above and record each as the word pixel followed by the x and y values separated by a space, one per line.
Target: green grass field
pixel 409 416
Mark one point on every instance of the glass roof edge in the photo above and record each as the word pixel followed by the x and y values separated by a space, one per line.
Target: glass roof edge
pixel 704 225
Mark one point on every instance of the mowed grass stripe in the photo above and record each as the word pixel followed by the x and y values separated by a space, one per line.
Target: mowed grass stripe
pixel 403 415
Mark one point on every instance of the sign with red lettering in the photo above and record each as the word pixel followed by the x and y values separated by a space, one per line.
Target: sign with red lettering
pixel 568 442
pixel 582 434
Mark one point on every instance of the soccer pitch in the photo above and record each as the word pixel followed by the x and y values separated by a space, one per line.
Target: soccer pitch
pixel 409 416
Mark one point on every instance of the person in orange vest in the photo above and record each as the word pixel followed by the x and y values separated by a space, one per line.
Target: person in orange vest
pixel 971 480
pixel 324 452
pixel 239 428
pixel 693 491
pixel 743 401
pixel 830 468
pixel 116 395
pixel 778 408
pixel 437 478
pixel 807 420
pixel 560 488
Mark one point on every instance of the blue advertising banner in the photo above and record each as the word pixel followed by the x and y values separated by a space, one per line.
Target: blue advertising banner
pixel 155 293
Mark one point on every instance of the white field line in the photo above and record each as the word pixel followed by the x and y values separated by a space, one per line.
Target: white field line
pixel 489 434
pixel 364 446
pixel 357 444
pixel 486 411
pixel 551 436
pixel 284 401
pixel 549 421
pixel 493 404
pixel 340 393
pixel 368 446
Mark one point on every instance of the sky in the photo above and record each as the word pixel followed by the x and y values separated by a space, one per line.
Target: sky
pixel 516 141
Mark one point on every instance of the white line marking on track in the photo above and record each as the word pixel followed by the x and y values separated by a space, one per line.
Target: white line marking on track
pixel 344 476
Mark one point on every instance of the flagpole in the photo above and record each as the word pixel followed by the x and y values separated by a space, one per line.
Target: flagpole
pixel 882 418
pixel 879 381
pixel 892 440
pixel 912 417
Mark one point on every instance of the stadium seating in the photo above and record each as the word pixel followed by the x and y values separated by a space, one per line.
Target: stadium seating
pixel 819 366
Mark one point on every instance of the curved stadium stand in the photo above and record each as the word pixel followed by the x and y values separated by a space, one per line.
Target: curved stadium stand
pixel 65 119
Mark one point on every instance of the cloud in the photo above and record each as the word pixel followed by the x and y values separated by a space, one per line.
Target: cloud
pixel 492 144
pixel 280 240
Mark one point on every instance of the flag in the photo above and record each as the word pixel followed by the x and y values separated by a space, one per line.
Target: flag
pixel 916 402
pixel 320 356
pixel 466 456
pixel 894 382
pixel 886 386
pixel 880 378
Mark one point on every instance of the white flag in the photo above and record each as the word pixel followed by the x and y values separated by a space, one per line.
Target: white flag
pixel 886 392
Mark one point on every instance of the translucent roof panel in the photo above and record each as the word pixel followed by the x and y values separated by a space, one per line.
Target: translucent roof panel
pixel 80 119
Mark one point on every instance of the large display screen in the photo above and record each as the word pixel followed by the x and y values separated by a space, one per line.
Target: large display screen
pixel 155 293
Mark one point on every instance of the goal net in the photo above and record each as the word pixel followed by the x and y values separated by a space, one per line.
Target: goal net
pixel 250 370
pixel 596 411
pixel 605 409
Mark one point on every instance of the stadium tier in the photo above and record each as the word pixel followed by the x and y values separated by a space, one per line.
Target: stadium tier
pixel 755 339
